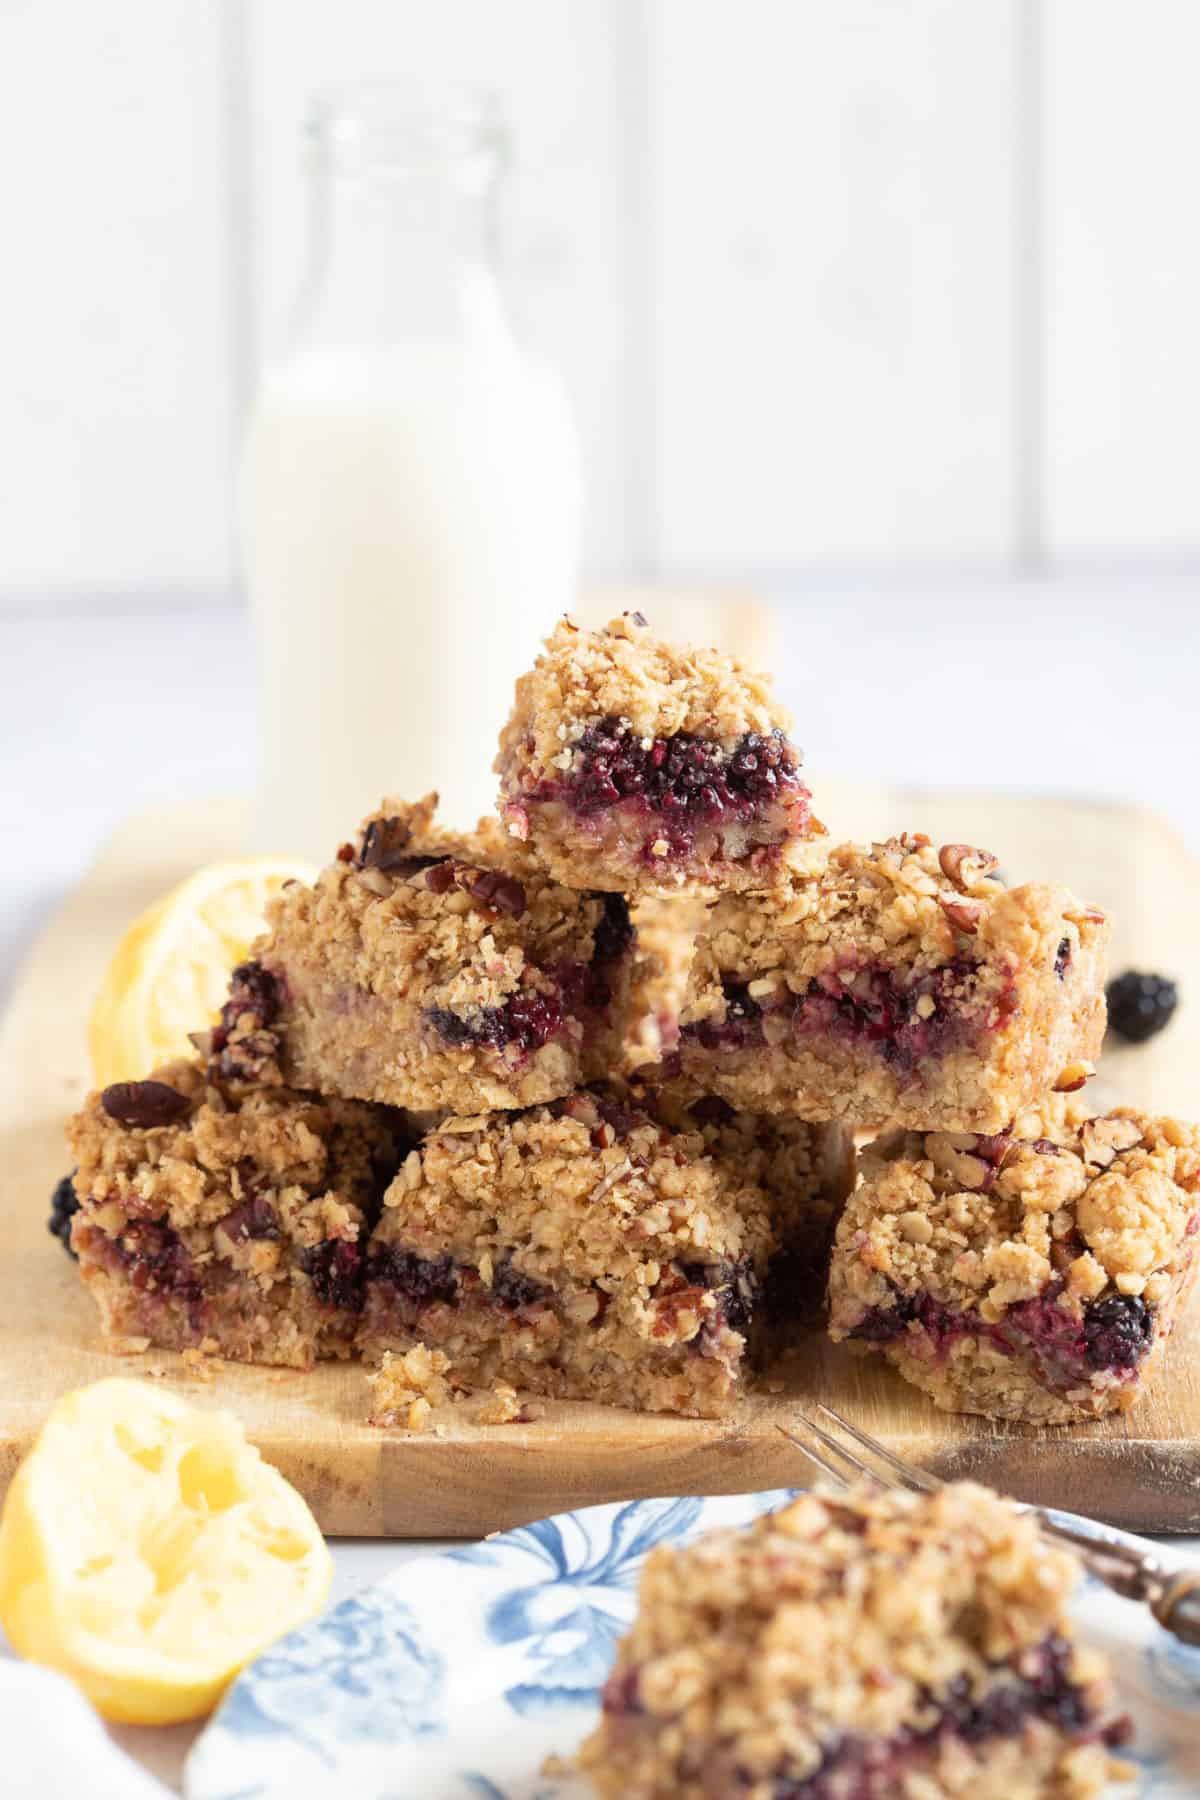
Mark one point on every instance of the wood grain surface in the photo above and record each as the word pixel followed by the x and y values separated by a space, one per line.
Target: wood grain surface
pixel 1143 1471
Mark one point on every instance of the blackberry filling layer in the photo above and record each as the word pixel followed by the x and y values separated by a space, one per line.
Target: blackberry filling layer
pixel 254 1218
pixel 335 1269
pixel 513 1289
pixel 735 1285
pixel 1033 1685
pixel 420 1281
pixel 525 1022
pixel 531 1018
pixel 683 783
pixel 252 989
pixel 243 1046
pixel 417 1282
pixel 154 1258
pixel 1037 1687
pixel 1112 1336
pixel 905 1020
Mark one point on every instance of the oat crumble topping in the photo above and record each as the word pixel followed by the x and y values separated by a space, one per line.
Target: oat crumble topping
pixel 589 1249
pixel 444 974
pixel 642 766
pixel 1031 1274
pixel 888 991
pixel 868 1643
pixel 238 1225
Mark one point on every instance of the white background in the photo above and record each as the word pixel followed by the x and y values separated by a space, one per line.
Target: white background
pixel 833 282
pixel 889 307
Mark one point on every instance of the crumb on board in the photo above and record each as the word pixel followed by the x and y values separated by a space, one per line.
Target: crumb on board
pixel 505 1407
pixel 406 1387
pixel 129 1346
pixel 501 1407
pixel 201 1362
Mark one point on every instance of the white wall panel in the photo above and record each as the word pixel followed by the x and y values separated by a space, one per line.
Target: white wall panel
pixel 113 284
pixel 833 279
pixel 1122 275
pixel 558 70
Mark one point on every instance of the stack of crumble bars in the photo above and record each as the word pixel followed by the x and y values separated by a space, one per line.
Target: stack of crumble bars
pixel 569 1100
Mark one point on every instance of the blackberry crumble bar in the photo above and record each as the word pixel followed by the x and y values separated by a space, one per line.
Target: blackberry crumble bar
pixel 1034 1274
pixel 858 1646
pixel 640 766
pixel 234 1219
pixel 584 1250
pixel 435 973
pixel 901 986
pixel 667 929
pixel 806 1171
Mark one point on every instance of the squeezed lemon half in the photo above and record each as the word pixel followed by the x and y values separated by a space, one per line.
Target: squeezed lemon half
pixel 170 972
pixel 148 1552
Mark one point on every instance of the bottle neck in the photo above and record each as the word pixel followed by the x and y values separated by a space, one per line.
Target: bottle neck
pixel 399 255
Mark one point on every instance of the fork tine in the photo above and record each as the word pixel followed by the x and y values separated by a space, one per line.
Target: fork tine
pixel 1127 1570
pixel 814 1456
pixel 831 1443
pixel 1121 1558
pixel 914 1477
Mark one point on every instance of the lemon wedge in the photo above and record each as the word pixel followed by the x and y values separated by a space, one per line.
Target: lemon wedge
pixel 169 974
pixel 149 1553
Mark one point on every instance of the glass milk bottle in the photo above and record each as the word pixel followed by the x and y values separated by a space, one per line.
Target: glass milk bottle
pixel 411 490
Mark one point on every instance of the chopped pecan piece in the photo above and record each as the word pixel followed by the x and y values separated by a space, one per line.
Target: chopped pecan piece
pixel 964 915
pixel 141 1105
pixel 1104 1139
pixel 1073 1077
pixel 964 865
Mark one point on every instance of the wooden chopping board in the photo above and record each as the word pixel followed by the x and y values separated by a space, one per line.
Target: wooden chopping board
pixel 1142 1472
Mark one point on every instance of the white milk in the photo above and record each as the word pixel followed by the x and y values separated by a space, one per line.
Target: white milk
pixel 412 522
pixel 411 492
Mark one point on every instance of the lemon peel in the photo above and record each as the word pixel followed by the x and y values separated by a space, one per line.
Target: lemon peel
pixel 148 1552
pixel 169 974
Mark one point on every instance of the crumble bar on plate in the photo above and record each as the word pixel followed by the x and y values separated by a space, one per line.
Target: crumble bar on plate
pixel 585 1250
pixel 901 986
pixel 641 766
pixel 239 1219
pixel 435 973
pixel 858 1646
pixel 1032 1275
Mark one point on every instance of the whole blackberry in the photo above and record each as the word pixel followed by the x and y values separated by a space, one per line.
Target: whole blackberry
pixel 63 1207
pixel 1117 1331
pixel 1140 1005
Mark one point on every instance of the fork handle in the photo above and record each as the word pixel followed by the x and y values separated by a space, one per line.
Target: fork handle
pixel 1178 1609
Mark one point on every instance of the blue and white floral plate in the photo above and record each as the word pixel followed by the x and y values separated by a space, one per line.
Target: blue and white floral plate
pixel 455 1677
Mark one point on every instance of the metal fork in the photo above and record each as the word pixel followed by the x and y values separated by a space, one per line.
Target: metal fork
pixel 1173 1595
